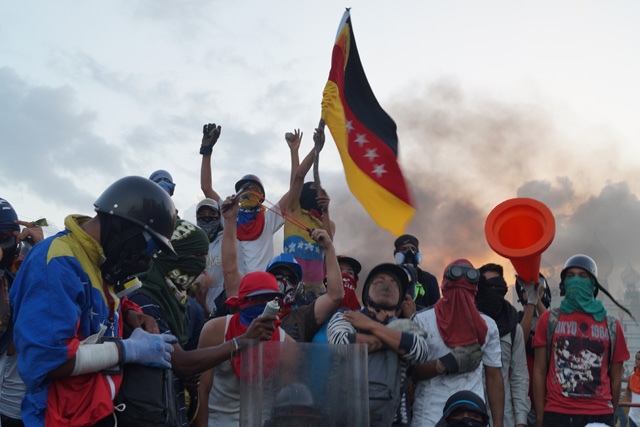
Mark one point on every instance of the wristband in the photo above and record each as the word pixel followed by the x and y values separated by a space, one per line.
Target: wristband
pixel 236 346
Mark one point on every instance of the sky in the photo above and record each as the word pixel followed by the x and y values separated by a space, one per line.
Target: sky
pixel 493 100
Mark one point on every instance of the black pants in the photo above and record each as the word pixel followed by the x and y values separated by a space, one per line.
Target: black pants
pixel 107 421
pixel 10 422
pixel 554 419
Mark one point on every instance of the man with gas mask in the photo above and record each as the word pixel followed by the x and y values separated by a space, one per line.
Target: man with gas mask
pixel 462 343
pixel 579 353
pixel 163 296
pixel 12 247
pixel 424 290
pixel 490 300
pixel 394 345
pixel 66 312
pixel 255 224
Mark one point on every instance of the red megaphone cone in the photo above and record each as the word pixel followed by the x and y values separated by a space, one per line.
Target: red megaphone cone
pixel 520 230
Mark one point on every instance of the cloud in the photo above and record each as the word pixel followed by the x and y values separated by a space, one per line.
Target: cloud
pixel 52 150
pixel 81 66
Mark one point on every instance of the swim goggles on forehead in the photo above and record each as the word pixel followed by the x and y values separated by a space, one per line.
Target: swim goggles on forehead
pixel 457 272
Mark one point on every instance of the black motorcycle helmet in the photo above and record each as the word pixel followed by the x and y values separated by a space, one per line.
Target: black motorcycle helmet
pixel 393 269
pixel 144 203
pixel 584 262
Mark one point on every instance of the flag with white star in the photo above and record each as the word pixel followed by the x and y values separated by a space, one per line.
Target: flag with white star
pixel 365 136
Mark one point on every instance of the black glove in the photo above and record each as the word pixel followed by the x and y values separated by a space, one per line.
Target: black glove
pixel 462 359
pixel 210 135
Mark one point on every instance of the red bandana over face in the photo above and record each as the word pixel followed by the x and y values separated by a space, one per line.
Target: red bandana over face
pixel 459 321
pixel 350 299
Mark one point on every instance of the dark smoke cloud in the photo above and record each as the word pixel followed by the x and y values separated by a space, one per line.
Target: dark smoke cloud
pixel 464 154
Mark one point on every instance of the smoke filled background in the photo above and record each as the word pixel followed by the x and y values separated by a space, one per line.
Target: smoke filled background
pixel 464 154
pixel 493 100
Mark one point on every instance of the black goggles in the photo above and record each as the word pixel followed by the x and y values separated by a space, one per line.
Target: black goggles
pixel 457 272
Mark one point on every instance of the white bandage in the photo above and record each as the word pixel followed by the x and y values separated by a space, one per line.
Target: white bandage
pixel 95 357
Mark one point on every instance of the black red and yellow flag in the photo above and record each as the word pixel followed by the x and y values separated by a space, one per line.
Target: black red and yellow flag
pixel 365 136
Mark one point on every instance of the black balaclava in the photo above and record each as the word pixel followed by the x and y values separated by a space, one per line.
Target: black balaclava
pixel 490 301
pixel 124 246
pixel 308 196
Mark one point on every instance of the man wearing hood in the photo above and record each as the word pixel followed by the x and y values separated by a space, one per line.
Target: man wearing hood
pixel 394 345
pixel 577 372
pixel 490 300
pixel 454 325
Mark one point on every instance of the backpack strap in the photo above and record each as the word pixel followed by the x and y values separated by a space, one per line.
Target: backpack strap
pixel 513 335
pixel 554 316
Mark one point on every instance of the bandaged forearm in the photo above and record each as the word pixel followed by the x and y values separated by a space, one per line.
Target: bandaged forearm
pixel 95 357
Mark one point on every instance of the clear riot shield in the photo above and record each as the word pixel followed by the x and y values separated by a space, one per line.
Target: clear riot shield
pixel 304 384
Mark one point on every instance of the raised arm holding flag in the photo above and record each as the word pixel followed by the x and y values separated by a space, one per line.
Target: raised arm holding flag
pixel 365 136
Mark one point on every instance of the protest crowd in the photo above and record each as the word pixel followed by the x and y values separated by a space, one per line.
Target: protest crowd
pixel 137 317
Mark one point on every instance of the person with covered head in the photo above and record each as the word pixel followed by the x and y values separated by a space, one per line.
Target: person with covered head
pixel 425 290
pixel 164 180
pixel 12 388
pixel 309 205
pixel 490 300
pixel 221 385
pixel 163 296
pixel 459 337
pixel 579 353
pixel 212 281
pixel 255 225
pixel 394 345
pixel 464 409
pixel 64 301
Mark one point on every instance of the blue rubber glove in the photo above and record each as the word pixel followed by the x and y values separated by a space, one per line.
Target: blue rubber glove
pixel 148 349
